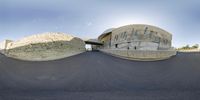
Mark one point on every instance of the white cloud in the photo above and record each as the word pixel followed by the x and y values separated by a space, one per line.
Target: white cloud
pixel 89 23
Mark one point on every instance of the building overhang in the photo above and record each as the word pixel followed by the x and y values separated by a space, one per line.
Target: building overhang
pixel 103 35
pixel 93 43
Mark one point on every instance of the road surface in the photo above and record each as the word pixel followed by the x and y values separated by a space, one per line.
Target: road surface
pixel 98 76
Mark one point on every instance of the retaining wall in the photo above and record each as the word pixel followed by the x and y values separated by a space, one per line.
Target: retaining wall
pixel 141 55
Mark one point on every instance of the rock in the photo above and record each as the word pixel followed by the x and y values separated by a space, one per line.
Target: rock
pixel 46 46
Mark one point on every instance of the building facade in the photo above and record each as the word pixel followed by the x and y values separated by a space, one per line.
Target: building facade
pixel 136 37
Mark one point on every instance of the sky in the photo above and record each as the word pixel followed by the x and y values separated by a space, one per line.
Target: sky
pixel 89 18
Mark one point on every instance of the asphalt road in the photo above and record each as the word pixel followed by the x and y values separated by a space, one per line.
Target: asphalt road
pixel 98 76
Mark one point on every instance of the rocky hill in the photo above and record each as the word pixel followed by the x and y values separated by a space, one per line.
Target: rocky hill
pixel 45 46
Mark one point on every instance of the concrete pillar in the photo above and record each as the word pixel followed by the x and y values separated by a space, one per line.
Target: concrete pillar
pixel 4 45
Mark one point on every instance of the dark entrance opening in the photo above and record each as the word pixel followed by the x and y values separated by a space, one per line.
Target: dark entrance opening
pixel 116 45
pixel 94 46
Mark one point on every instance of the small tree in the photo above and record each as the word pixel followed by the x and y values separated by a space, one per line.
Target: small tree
pixel 186 47
pixel 196 46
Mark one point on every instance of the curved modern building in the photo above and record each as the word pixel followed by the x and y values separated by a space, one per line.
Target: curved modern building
pixel 135 38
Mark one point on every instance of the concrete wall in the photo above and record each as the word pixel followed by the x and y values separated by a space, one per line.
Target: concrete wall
pixel 140 37
pixel 44 51
pixel 106 40
pixel 137 41
pixel 192 50
pixel 141 55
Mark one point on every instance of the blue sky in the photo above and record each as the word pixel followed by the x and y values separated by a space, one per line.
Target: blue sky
pixel 89 18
